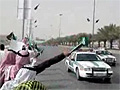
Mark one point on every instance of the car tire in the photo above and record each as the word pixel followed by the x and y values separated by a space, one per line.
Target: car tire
pixel 114 64
pixel 107 80
pixel 68 70
pixel 77 74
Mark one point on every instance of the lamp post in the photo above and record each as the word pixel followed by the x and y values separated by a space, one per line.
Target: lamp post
pixel 23 26
pixel 32 35
pixel 31 24
pixel 31 28
pixel 93 23
pixel 93 27
pixel 24 12
pixel 60 25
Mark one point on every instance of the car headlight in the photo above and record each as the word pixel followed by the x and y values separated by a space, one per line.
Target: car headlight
pixel 109 69
pixel 115 59
pixel 87 69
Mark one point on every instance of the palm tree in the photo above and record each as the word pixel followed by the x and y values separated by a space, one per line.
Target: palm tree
pixel 102 35
pixel 118 34
pixel 108 33
pixel 112 33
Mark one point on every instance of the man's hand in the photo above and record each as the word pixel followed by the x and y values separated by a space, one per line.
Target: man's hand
pixel 66 52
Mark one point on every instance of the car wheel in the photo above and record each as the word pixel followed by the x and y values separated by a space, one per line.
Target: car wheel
pixel 68 69
pixel 77 74
pixel 114 64
pixel 107 80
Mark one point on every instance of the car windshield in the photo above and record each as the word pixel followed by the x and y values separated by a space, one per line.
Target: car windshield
pixel 87 57
pixel 103 53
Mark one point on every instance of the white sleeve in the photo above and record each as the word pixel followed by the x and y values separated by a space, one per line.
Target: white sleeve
pixel 24 75
pixel 8 85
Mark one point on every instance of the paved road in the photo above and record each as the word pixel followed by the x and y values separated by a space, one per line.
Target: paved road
pixel 57 78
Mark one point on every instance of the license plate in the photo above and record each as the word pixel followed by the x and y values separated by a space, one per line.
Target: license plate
pixel 99 74
pixel 109 61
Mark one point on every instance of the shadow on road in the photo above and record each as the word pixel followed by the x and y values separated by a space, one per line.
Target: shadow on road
pixel 100 81
pixel 52 87
pixel 90 80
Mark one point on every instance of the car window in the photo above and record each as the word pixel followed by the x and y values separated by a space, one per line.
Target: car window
pixel 87 57
pixel 105 53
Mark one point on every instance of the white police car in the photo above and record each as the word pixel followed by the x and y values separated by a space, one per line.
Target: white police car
pixel 106 56
pixel 88 65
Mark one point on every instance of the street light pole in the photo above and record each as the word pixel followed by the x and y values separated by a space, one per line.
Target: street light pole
pixel 31 23
pixel 23 26
pixel 30 28
pixel 31 32
pixel 60 25
pixel 93 23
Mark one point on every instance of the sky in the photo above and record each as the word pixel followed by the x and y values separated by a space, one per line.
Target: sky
pixel 73 19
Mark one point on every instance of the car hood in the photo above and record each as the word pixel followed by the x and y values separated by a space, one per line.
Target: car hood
pixel 91 64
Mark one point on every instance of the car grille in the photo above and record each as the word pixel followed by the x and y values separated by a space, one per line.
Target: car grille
pixel 109 60
pixel 99 69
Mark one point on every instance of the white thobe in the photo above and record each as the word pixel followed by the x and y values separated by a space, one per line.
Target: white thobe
pixel 22 76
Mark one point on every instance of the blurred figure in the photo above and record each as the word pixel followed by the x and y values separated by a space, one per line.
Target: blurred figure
pixel 22 58
pixel 8 60
pixel 25 78
pixel 25 40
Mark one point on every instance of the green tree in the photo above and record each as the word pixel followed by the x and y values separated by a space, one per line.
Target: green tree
pixel 110 33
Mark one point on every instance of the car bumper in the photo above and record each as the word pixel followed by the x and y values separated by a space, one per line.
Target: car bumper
pixel 98 75
pixel 93 74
